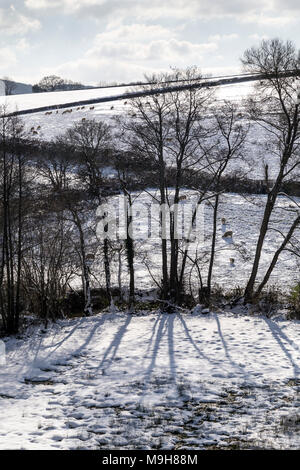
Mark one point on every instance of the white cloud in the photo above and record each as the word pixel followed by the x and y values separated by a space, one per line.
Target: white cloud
pixel 94 70
pixel 258 37
pixel 142 43
pixel 223 37
pixel 134 32
pixel 13 22
pixel 270 20
pixel 267 12
pixel 7 59
pixel 43 4
pixel 128 52
pixel 139 42
pixel 22 45
pixel 141 36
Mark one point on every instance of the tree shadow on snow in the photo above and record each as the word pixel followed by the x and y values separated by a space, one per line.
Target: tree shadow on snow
pixel 193 343
pixel 97 323
pixel 114 346
pixel 281 337
pixel 228 355
pixel 162 329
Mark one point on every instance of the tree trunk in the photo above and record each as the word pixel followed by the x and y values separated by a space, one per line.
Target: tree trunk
pixel 213 247
pixel 276 256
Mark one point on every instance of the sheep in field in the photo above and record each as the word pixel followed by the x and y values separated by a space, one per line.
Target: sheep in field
pixel 228 234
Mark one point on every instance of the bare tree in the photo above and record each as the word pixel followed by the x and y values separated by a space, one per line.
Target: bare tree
pixel 165 130
pixel 275 109
pixel 48 265
pixel 77 217
pixel 129 168
pixel 55 83
pixel 231 134
pixel 91 141
pixel 12 213
pixel 55 164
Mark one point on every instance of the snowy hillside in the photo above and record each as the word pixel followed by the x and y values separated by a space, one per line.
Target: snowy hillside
pixel 237 210
pixel 18 89
pixel 55 123
pixel 36 100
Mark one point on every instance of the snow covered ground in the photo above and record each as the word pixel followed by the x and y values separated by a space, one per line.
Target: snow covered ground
pixel 179 381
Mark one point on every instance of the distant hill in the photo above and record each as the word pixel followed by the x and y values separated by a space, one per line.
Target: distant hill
pixel 18 89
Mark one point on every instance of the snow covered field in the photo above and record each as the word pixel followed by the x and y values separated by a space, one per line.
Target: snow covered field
pixel 36 100
pixel 180 381
pixel 57 123
pixel 243 217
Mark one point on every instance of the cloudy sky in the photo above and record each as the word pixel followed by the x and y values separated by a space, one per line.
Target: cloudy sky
pixel 121 40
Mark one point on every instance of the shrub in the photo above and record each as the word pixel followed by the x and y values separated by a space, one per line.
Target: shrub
pixel 294 300
pixel 270 300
